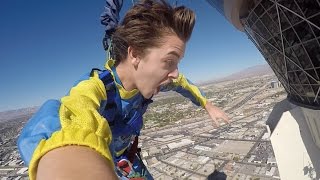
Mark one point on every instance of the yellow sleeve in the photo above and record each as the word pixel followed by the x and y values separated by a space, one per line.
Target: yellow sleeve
pixel 186 88
pixel 81 123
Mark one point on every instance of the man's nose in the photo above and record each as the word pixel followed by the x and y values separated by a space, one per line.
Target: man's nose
pixel 174 74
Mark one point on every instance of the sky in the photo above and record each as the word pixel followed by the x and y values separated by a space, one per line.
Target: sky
pixel 45 46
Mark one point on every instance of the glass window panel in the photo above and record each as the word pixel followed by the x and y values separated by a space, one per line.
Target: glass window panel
pixel 318 71
pixel 250 23
pixel 283 64
pixel 253 17
pixel 316 31
pixel 292 78
pixel 253 36
pixel 315 88
pixel 284 22
pixel 286 44
pixel 273 14
pixel 302 57
pixel 308 91
pixel 285 85
pixel 291 55
pixel 305 62
pixel 290 4
pixel 291 66
pixel 266 4
pixel 256 30
pixel 274 28
pixel 298 88
pixel 268 22
pixel 264 32
pixel 264 49
pixel 282 78
pixel 277 38
pixel 304 32
pixel 266 19
pixel 292 17
pixel 272 64
pixel 275 66
pixel 313 50
pixel 316 20
pixel 259 10
pixel 294 7
pixel 273 43
pixel 296 79
pixel 291 37
pixel 308 7
pixel 312 73
pixel 270 49
pixel 267 58
pixel 276 59
pixel 302 77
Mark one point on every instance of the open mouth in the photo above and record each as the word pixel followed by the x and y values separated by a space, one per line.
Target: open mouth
pixel 164 83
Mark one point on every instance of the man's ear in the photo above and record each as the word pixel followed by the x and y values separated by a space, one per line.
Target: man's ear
pixel 133 57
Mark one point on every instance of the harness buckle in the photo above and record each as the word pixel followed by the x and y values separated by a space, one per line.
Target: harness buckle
pixel 125 167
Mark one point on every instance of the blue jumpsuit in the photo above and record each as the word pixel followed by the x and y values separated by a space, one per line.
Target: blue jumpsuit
pixel 80 118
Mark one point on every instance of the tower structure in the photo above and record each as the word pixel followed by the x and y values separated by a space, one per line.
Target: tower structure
pixel 287 33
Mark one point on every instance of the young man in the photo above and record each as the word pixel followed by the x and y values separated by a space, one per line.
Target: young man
pixel 92 132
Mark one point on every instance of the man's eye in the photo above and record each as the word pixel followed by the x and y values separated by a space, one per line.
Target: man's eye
pixel 170 63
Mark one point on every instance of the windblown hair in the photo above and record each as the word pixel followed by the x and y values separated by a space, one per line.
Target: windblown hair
pixel 145 25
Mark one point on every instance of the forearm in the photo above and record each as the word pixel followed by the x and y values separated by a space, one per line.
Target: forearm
pixel 216 113
pixel 74 162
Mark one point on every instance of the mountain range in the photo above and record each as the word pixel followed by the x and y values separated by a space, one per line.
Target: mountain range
pixel 258 70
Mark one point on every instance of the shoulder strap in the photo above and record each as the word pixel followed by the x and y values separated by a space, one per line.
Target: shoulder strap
pixel 108 107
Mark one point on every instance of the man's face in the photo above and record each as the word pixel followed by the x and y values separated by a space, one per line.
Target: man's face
pixel 159 66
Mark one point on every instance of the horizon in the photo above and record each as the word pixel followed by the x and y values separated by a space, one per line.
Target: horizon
pixel 217 80
pixel 45 52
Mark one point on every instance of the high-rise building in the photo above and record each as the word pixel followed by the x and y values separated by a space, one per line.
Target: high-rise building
pixel 275 84
pixel 287 33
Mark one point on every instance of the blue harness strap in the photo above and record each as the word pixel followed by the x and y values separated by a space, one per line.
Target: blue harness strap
pixel 111 109
pixel 108 108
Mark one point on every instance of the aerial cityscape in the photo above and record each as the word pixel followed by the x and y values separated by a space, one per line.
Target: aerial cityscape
pixel 179 140
pixel 273 117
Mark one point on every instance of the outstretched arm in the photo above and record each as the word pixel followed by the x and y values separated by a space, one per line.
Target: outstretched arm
pixel 216 113
pixel 186 88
